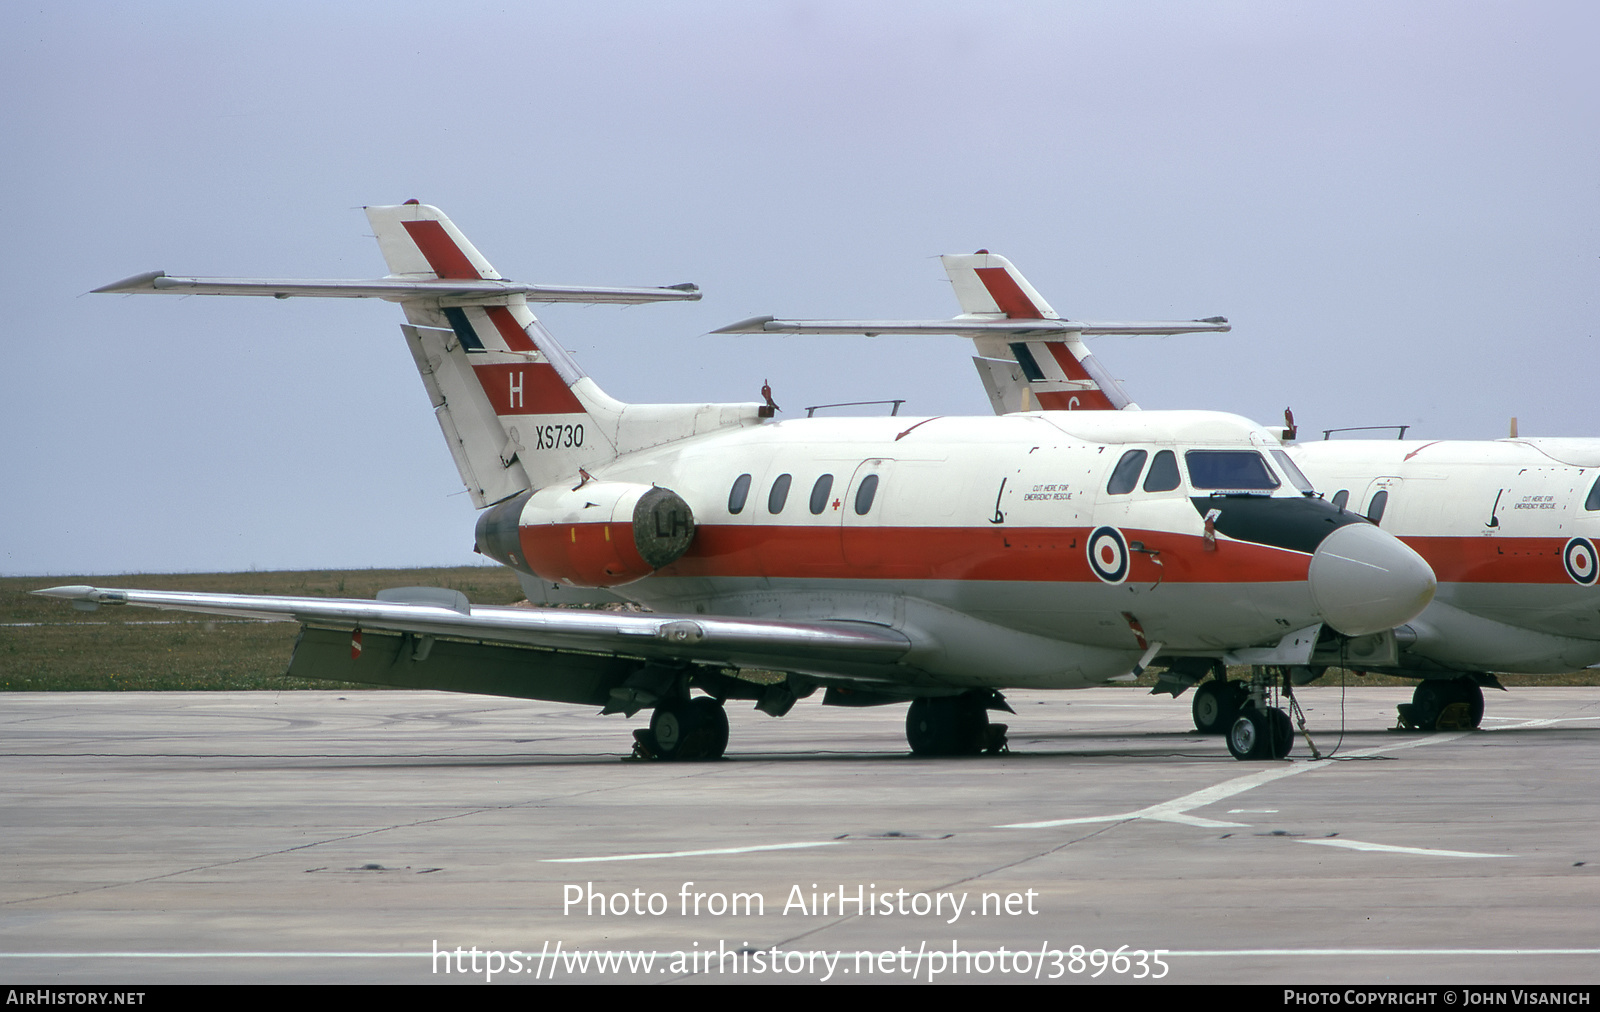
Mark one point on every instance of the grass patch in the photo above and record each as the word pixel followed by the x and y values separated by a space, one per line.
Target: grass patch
pixel 47 645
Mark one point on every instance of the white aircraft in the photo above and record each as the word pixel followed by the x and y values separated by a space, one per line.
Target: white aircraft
pixel 930 560
pixel 1509 526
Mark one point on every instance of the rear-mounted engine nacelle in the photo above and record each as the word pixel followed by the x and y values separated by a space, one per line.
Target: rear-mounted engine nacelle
pixel 600 534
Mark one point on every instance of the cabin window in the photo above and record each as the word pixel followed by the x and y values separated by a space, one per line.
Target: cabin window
pixel 865 493
pixel 779 494
pixel 739 494
pixel 1163 476
pixel 1341 497
pixel 1593 502
pixel 1125 476
pixel 819 494
pixel 1296 477
pixel 1376 507
pixel 1228 470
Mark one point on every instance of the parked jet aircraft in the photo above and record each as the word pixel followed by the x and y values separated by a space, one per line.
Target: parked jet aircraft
pixel 1509 526
pixel 930 560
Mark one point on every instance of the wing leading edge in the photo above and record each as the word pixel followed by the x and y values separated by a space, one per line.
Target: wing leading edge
pixel 849 650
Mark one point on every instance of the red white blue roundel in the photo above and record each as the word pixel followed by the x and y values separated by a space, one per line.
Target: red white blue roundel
pixel 1579 558
pixel 1108 555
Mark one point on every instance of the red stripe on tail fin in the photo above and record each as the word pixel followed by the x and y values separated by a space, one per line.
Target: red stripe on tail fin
pixel 1063 400
pixel 1007 294
pixel 441 252
pixel 514 336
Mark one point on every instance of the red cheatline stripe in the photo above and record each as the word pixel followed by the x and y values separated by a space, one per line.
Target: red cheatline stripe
pixel 441 252
pixel 1494 560
pixel 1045 555
pixel 514 336
pixel 1007 294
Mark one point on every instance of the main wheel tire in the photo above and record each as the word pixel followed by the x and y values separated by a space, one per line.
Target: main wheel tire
pixel 689 729
pixel 713 719
pixel 1282 729
pixel 1471 693
pixel 1214 709
pixel 1428 701
pixel 946 725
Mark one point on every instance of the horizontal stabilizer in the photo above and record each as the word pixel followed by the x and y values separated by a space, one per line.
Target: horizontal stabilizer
pixel 449 291
pixel 974 327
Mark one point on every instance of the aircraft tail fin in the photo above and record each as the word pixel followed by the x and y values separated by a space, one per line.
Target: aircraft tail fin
pixel 516 409
pixel 1058 371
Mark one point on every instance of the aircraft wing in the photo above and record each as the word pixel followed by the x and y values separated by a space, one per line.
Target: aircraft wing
pixel 974 327
pixel 855 650
pixel 458 292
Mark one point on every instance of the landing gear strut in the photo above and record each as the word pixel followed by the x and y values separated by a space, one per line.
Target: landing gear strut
pixel 1439 704
pixel 954 725
pixel 684 729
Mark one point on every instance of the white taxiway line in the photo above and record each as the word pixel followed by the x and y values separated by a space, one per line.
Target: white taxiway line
pixel 1177 809
pixel 1386 848
pixel 691 853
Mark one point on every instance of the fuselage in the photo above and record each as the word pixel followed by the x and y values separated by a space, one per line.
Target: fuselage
pixel 1031 549
pixel 1508 526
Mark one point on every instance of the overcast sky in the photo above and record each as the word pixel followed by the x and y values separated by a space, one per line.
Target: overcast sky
pixel 1397 205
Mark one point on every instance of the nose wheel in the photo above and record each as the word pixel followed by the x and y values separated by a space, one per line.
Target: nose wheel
pixel 1260 734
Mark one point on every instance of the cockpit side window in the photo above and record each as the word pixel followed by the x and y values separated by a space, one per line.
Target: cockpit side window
pixel 1229 469
pixel 1296 477
pixel 1125 476
pixel 1341 497
pixel 1163 476
pixel 1593 502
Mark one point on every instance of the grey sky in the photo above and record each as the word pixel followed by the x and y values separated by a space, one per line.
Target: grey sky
pixel 1398 205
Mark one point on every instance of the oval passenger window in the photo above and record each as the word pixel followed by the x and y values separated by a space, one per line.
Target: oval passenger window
pixel 819 494
pixel 865 493
pixel 779 494
pixel 1376 507
pixel 739 493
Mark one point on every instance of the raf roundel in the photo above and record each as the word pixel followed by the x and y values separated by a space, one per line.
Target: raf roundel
pixel 1108 554
pixel 1579 558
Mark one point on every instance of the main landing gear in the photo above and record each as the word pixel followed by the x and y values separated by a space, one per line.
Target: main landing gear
pixel 1440 704
pixel 1217 705
pixel 684 729
pixel 956 725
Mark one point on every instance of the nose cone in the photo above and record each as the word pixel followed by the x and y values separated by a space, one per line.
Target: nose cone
pixel 1364 580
